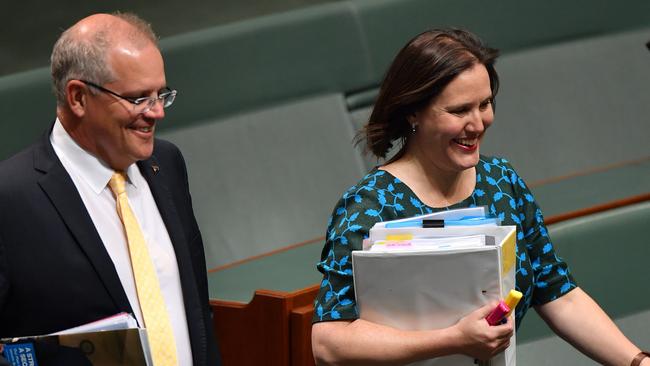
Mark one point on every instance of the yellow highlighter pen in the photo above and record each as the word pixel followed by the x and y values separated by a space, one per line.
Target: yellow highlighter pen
pixel 504 308
pixel 512 300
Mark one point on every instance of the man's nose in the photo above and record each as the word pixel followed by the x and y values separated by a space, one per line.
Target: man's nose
pixel 156 110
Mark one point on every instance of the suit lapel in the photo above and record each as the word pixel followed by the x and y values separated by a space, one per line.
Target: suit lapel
pixel 58 186
pixel 155 176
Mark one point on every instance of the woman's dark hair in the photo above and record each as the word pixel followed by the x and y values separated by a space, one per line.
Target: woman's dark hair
pixel 419 73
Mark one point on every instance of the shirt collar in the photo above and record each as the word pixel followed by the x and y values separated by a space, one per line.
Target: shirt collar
pixel 90 168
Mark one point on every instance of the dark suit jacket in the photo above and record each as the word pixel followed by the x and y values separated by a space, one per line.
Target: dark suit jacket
pixel 55 272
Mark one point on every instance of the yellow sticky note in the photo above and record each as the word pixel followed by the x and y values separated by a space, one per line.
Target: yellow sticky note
pixel 399 237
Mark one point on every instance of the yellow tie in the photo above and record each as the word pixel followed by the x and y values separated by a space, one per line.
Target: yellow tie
pixel 154 311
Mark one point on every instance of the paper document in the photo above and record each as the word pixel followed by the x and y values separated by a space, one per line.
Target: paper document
pixel 441 215
pixel 432 243
pixel 117 321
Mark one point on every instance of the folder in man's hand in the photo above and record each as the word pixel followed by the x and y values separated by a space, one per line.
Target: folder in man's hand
pixel 111 341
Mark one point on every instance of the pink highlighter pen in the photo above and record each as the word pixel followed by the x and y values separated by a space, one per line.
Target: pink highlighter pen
pixel 504 308
pixel 495 317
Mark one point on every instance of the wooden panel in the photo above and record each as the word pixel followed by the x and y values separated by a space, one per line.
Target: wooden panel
pixel 259 333
pixel 300 327
pixel 300 341
pixel 253 334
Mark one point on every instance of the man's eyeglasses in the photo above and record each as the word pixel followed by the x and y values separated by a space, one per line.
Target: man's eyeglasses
pixel 143 104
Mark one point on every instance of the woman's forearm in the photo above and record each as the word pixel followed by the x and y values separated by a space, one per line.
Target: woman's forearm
pixel 360 342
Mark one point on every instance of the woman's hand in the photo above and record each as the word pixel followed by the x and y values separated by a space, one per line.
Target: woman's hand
pixel 480 340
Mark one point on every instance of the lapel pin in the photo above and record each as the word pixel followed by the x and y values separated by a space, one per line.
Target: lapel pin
pixel 155 168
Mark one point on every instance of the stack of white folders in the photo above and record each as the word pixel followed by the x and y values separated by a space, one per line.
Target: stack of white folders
pixel 416 278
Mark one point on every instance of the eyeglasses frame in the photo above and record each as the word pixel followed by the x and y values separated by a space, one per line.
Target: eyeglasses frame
pixel 138 101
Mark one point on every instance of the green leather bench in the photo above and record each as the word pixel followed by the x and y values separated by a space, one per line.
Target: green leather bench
pixel 593 188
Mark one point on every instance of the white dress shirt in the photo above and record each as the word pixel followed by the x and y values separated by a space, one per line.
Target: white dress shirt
pixel 90 176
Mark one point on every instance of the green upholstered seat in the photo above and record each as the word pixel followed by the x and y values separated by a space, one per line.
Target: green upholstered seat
pixel 573 106
pixel 509 25
pixel 27 107
pixel 270 60
pixel 265 180
pixel 593 188
pixel 286 271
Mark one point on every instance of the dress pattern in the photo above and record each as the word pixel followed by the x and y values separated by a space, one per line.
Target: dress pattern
pixel 540 275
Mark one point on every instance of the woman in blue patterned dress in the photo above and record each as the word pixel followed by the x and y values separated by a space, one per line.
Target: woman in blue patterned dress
pixel 437 101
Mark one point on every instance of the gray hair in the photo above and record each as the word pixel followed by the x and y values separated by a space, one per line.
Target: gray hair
pixel 141 32
pixel 84 58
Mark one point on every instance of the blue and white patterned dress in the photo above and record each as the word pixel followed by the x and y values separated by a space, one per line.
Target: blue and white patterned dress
pixel 541 275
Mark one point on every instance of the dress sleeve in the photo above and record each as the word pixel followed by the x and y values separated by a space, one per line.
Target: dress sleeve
pixel 551 275
pixel 349 224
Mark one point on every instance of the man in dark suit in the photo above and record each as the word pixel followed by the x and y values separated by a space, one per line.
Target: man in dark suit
pixel 65 252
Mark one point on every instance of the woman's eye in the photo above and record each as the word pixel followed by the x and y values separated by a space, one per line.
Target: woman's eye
pixel 485 104
pixel 459 112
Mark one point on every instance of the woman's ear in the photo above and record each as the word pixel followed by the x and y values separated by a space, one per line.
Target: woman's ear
pixel 76 94
pixel 412 118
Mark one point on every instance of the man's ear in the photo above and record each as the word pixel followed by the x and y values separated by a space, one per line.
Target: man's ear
pixel 76 96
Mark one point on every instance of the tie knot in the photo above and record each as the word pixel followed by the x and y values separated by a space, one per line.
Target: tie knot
pixel 117 183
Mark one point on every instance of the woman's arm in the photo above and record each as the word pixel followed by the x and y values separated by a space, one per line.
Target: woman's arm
pixel 580 321
pixel 360 342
